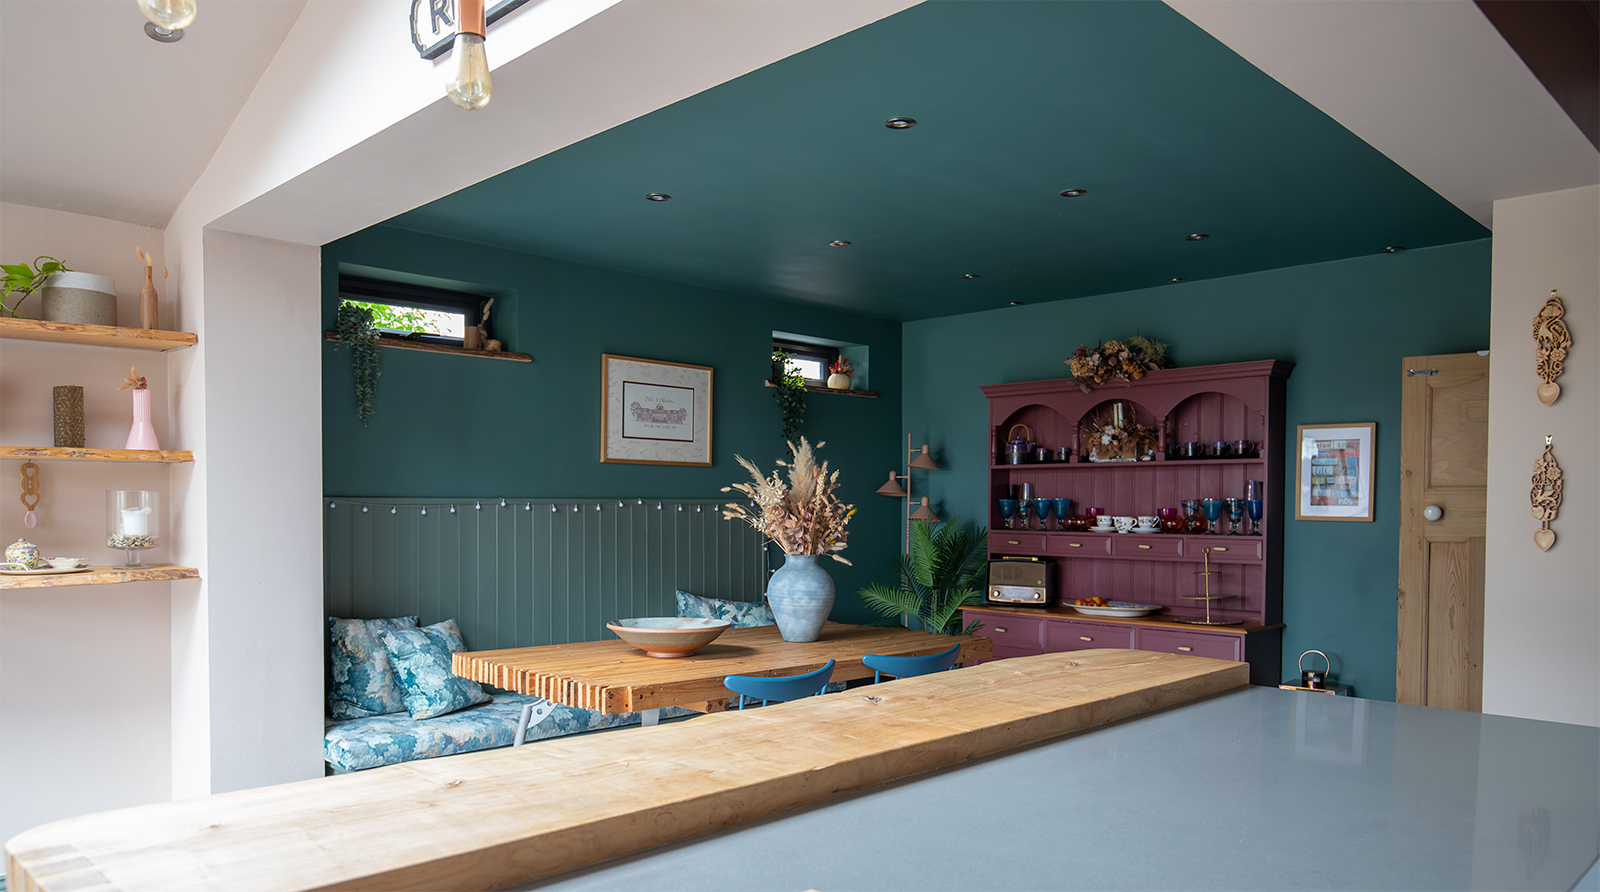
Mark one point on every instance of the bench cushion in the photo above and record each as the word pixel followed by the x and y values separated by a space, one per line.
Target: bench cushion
pixel 355 744
pixel 743 614
pixel 421 662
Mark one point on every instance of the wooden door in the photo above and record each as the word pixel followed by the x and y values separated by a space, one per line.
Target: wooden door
pixel 1444 461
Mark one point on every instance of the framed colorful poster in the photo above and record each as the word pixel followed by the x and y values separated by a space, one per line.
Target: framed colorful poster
pixel 655 413
pixel 1334 476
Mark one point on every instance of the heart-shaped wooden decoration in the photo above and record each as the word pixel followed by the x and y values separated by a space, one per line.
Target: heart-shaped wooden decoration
pixel 1548 392
pixel 1544 539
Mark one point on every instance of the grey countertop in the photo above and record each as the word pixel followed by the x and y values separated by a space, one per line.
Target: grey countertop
pixel 1255 789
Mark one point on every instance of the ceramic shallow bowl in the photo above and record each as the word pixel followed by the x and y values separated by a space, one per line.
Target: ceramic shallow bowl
pixel 669 636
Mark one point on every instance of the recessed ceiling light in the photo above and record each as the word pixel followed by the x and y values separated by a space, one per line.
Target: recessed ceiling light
pixel 1013 303
pixel 900 123
pixel 838 243
pixel 1393 249
pixel 969 275
pixel 1178 279
pixel 1074 193
pixel 1196 237
pixel 659 196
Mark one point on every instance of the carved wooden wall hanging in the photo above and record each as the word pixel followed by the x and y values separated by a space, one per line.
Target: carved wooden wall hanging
pixel 1551 340
pixel 1546 496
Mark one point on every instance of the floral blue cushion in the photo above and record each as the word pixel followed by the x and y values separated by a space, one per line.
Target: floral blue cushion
pixel 387 739
pixel 743 614
pixel 363 682
pixel 421 661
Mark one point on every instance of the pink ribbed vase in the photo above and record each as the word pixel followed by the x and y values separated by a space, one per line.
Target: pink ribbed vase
pixel 142 435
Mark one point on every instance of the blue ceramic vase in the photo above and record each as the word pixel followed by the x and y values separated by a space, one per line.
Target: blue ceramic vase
pixel 800 594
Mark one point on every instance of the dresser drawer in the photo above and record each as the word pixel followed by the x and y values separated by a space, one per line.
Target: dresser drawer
pixel 1016 542
pixel 1010 633
pixel 1225 549
pixel 1147 546
pixel 1069 545
pixel 1217 647
pixel 1060 635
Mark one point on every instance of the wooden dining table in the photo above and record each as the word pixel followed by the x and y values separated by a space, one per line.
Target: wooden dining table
pixel 614 677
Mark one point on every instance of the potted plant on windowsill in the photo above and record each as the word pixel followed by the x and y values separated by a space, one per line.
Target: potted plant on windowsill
pixel 839 374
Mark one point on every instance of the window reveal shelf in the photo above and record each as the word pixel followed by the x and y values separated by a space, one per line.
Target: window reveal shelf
pixel 96 335
pixel 103 576
pixel 818 388
pixel 402 344
pixel 70 453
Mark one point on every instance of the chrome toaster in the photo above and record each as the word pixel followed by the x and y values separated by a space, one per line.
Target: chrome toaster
pixel 1023 581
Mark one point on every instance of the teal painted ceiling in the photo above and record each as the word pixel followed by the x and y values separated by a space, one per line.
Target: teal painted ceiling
pixel 1168 130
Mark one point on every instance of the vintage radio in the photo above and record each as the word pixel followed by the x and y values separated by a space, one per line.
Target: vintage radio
pixel 1024 581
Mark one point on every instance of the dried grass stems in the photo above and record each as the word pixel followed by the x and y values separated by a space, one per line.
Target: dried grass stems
pixel 802 516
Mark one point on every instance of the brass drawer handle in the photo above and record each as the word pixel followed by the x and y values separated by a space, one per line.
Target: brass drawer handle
pixel 1184 648
pixel 1074 544
pixel 1145 547
pixel 1084 638
pixel 999 630
pixel 1012 542
pixel 1213 548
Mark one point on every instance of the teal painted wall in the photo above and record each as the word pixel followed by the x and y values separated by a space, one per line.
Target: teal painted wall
pixel 1346 325
pixel 457 427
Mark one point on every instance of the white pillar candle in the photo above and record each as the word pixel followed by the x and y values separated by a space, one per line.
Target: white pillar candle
pixel 136 521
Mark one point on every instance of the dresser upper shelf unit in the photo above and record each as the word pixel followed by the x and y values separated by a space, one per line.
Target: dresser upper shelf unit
pixel 72 453
pixel 97 335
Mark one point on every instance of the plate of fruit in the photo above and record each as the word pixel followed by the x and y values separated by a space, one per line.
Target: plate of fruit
pixel 1098 606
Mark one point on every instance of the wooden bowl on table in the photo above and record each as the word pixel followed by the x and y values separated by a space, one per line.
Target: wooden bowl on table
pixel 669 636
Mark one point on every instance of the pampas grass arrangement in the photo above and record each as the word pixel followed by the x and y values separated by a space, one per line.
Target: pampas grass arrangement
pixel 803 515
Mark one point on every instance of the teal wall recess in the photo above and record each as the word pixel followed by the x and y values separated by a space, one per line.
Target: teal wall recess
pixel 449 425
pixel 1344 324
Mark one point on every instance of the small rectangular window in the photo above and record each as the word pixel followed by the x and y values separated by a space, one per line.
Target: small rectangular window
pixel 414 312
pixel 810 360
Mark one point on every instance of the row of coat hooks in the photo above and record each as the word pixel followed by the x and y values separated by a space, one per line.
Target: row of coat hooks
pixel 527 505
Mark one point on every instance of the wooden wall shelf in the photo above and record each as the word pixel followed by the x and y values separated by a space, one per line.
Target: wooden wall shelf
pixel 67 453
pixel 96 335
pixel 402 344
pixel 818 388
pixel 102 576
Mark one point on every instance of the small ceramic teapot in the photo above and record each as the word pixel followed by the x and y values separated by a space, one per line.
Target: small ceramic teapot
pixel 23 553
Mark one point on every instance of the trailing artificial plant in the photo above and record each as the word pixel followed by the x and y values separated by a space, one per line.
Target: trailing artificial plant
pixel 790 391
pixel 942 574
pixel 357 329
pixel 22 279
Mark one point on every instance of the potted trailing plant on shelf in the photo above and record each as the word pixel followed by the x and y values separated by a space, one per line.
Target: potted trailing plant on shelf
pixel 22 279
pixel 943 573
pixel 790 393
pixel 839 373
pixel 357 329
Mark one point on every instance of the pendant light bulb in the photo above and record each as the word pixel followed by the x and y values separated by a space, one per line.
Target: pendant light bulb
pixel 470 88
pixel 171 15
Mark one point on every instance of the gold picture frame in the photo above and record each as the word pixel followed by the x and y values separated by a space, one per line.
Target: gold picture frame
pixel 1333 471
pixel 655 412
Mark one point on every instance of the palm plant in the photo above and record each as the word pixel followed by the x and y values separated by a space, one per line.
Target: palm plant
pixel 942 575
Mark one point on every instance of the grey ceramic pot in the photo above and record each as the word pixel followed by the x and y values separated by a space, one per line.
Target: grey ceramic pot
pixel 81 298
pixel 800 594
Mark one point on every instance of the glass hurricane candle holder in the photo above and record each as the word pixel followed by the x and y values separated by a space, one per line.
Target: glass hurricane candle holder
pixel 133 523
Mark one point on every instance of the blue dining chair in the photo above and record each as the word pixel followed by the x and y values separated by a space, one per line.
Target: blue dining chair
pixel 906 667
pixel 788 687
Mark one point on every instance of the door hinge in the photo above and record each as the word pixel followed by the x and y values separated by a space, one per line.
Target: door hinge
pixel 1418 373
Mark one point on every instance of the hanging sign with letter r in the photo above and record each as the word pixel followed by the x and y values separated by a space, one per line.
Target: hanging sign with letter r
pixel 433 23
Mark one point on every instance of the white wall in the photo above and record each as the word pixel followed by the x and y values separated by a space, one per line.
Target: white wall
pixel 1542 609
pixel 80 735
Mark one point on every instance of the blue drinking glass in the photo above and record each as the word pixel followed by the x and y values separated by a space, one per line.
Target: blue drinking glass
pixel 1235 514
pixel 1252 507
pixel 1024 511
pixel 1008 510
pixel 1063 508
pixel 1213 509
pixel 1042 508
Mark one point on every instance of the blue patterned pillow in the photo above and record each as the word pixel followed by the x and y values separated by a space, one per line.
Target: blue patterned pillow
pixel 743 614
pixel 363 683
pixel 421 660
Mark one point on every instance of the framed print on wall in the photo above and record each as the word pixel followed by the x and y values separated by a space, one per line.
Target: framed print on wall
pixel 655 413
pixel 1334 474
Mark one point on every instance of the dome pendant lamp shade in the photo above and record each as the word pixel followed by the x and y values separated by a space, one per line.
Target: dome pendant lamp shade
pixel 169 15
pixel 924 512
pixel 925 461
pixel 470 87
pixel 892 488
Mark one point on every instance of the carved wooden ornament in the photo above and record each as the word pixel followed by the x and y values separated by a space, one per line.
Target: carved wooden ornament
pixel 1546 496
pixel 1551 340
